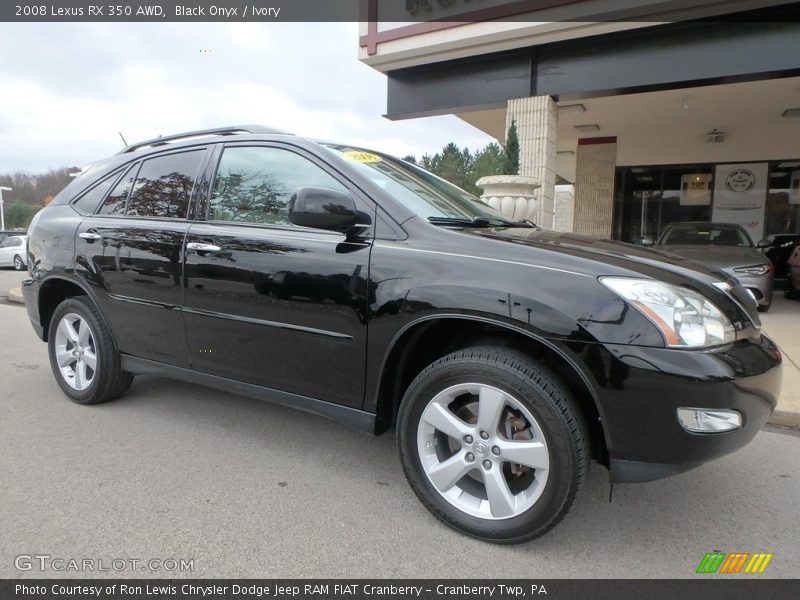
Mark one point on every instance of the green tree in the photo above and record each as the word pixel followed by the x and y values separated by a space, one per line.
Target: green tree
pixel 511 166
pixel 454 165
pixel 490 160
pixel 426 162
pixel 18 215
pixel 410 158
pixel 33 189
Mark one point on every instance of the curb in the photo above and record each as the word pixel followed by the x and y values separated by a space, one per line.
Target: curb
pixel 15 295
pixel 785 418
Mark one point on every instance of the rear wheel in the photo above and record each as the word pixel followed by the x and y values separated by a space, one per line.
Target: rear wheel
pixel 18 264
pixel 492 445
pixel 83 355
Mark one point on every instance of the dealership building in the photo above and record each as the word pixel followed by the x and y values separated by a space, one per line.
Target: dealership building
pixel 656 111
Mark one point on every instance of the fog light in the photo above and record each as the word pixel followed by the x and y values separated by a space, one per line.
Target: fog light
pixel 707 420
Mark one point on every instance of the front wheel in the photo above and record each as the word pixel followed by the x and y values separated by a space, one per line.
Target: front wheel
pixel 83 355
pixel 18 264
pixel 492 444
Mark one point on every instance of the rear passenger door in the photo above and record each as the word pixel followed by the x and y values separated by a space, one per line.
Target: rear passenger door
pixel 130 250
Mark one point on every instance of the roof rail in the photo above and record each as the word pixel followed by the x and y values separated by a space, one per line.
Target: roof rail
pixel 233 130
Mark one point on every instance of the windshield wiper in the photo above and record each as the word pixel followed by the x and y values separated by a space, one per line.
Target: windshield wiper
pixel 479 222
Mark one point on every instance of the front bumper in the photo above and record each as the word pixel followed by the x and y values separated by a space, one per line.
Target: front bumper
pixel 759 285
pixel 640 390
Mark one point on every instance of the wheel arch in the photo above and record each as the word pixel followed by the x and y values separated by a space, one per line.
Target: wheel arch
pixel 438 335
pixel 53 291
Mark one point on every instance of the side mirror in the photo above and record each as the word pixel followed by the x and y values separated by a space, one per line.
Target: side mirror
pixel 646 241
pixel 765 243
pixel 323 208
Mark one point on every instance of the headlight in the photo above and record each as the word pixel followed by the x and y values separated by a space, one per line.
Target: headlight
pixel 754 270
pixel 685 318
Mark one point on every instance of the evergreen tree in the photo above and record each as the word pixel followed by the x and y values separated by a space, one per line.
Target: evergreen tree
pixel 511 166
pixel 454 165
pixel 490 160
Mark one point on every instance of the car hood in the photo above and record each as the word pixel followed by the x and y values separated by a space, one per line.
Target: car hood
pixel 570 252
pixel 720 257
pixel 619 254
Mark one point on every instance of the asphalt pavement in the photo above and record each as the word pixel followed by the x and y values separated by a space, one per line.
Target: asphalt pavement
pixel 10 279
pixel 248 489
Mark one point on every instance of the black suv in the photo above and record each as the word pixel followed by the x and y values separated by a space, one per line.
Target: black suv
pixel 362 288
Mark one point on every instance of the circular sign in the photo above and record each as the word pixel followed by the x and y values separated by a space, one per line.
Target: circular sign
pixel 740 181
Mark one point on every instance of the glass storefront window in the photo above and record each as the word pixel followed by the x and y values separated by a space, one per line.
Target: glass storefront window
pixel 783 198
pixel 641 198
pixel 648 198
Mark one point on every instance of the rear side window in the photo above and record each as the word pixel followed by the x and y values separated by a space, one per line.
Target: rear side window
pixel 11 242
pixel 89 201
pixel 164 185
pixel 118 198
pixel 254 184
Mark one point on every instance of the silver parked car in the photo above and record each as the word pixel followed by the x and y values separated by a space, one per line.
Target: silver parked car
pixel 727 247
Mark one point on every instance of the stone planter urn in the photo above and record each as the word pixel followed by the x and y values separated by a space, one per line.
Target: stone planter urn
pixel 512 195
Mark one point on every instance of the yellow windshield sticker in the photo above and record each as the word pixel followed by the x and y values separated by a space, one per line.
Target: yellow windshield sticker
pixel 359 156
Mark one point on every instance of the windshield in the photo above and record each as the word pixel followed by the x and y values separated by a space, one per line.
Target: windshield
pixel 422 192
pixel 706 235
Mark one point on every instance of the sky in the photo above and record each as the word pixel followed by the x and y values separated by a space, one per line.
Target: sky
pixel 67 89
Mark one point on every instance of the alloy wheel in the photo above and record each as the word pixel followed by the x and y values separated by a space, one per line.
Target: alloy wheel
pixel 483 451
pixel 75 351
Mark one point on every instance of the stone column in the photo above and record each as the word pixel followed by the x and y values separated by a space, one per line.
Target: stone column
pixel 537 128
pixel 596 163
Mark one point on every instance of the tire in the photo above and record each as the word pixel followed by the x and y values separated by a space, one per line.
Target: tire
pixel 18 264
pixel 763 308
pixel 790 291
pixel 79 336
pixel 531 401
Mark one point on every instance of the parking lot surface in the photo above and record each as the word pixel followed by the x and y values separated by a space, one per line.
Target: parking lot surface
pixel 248 489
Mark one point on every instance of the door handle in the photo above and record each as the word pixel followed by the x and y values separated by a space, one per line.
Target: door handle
pixel 199 247
pixel 90 236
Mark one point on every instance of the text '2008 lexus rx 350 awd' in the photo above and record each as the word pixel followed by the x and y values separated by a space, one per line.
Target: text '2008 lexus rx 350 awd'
pixel 362 288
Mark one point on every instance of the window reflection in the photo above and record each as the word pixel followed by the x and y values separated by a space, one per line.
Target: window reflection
pixel 254 184
pixel 117 200
pixel 164 186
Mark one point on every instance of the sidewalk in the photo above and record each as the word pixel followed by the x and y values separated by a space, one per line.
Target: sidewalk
pixel 15 295
pixel 782 324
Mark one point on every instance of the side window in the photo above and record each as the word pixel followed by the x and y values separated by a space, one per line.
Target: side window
pixel 118 198
pixel 164 185
pixel 89 201
pixel 254 184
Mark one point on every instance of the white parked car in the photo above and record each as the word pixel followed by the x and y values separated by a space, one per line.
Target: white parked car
pixel 12 252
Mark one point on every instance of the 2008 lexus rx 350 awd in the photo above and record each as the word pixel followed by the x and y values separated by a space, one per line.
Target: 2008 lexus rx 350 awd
pixel 359 287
